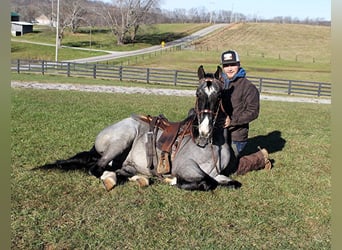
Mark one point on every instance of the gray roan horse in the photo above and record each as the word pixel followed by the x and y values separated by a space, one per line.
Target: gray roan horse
pixel 190 154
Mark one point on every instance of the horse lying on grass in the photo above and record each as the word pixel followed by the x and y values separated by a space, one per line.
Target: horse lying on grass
pixel 190 154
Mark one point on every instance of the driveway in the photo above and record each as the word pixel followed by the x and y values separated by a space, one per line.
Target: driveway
pixel 119 54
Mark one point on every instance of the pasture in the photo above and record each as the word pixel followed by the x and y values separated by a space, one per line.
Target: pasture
pixel 288 207
pixel 286 51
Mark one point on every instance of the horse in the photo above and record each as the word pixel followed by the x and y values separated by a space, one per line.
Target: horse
pixel 190 154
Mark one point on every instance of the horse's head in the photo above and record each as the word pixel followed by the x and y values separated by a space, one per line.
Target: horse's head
pixel 208 101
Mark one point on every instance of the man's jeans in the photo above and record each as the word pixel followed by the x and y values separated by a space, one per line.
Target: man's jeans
pixel 238 146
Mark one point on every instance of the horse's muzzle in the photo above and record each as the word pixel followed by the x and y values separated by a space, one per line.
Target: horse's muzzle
pixel 202 141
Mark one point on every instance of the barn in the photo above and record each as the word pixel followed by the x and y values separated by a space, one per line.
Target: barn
pixel 19 28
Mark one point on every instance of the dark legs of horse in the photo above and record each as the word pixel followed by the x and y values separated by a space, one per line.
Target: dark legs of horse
pixel 206 184
pixel 108 163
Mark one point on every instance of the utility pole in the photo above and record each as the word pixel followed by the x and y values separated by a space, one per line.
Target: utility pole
pixel 57 32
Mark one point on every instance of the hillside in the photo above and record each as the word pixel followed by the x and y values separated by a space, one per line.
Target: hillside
pixel 290 51
pixel 273 40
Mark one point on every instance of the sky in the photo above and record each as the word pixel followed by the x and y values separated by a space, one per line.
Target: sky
pixel 300 9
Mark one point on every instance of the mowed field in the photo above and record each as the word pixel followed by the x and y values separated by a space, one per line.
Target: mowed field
pixel 285 51
pixel 288 207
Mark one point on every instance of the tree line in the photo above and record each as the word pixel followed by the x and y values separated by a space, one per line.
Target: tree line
pixel 124 17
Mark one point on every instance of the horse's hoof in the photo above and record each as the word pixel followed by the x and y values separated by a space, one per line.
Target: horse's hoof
pixel 171 180
pixel 141 180
pixel 108 180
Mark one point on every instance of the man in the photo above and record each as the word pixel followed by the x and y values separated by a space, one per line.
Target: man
pixel 241 99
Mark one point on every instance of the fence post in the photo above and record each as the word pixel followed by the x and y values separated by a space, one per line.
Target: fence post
pixel 290 86
pixel 319 89
pixel 120 73
pixel 260 85
pixel 43 67
pixel 94 71
pixel 147 75
pixel 18 66
pixel 175 78
pixel 68 69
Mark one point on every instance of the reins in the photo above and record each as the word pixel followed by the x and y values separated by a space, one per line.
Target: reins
pixel 215 115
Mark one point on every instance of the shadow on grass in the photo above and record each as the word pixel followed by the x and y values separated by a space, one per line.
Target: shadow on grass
pixel 156 39
pixel 82 44
pixel 273 142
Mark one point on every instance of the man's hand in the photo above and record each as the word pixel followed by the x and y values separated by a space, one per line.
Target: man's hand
pixel 223 122
pixel 227 122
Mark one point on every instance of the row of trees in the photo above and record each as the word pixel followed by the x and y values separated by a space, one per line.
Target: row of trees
pixel 124 17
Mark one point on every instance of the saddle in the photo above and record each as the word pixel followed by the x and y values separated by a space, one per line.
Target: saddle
pixel 167 142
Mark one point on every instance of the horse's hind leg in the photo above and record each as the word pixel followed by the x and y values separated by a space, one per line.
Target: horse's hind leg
pixel 98 169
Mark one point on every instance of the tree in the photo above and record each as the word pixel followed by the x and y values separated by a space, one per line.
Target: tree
pixel 71 13
pixel 126 16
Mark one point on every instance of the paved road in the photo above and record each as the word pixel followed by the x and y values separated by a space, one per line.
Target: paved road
pixel 119 54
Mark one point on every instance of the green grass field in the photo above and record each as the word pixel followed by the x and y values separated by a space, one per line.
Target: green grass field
pixel 288 207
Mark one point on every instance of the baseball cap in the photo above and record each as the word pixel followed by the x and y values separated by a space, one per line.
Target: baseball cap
pixel 230 56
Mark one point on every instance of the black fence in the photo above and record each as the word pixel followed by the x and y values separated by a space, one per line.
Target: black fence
pixel 162 76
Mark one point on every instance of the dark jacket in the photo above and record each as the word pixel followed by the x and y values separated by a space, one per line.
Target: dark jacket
pixel 241 101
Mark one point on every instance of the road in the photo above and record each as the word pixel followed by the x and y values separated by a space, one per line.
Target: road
pixel 119 54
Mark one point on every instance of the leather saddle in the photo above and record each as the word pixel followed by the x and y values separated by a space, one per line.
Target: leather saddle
pixel 165 143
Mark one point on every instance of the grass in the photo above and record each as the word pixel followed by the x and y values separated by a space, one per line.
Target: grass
pixel 38 52
pixel 285 51
pixel 101 39
pixel 288 207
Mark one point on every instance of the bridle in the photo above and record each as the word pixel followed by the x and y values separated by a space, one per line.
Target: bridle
pixel 214 113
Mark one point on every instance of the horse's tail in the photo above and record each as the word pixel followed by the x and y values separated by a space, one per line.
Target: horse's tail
pixel 81 161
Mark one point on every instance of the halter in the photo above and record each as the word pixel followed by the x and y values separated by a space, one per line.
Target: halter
pixel 209 111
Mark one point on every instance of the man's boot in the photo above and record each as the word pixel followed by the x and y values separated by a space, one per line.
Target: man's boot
pixel 255 161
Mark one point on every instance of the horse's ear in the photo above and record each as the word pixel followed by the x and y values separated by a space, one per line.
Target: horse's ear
pixel 200 72
pixel 218 73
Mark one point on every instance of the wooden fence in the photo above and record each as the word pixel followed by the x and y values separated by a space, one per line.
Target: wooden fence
pixel 162 76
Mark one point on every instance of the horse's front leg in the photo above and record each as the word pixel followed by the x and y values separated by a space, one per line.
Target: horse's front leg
pixel 227 182
pixel 112 178
pixel 126 173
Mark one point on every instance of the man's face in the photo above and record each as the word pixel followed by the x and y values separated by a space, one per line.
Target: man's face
pixel 231 69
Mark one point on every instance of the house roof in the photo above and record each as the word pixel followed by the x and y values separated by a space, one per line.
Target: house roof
pixel 14 13
pixel 22 23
